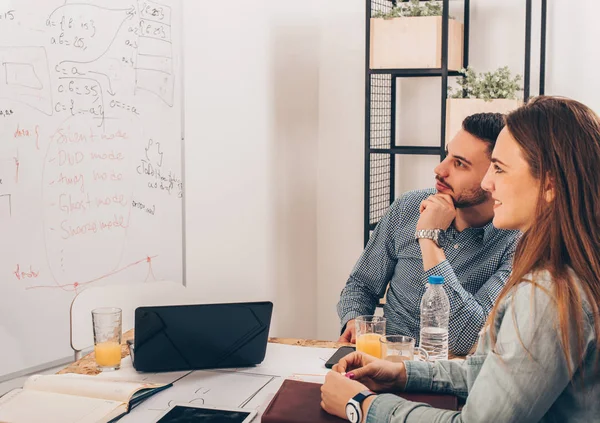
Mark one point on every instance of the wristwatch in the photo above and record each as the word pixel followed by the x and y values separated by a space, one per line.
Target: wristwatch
pixel 436 235
pixel 353 406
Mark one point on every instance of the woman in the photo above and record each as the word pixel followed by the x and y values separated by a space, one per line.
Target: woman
pixel 537 357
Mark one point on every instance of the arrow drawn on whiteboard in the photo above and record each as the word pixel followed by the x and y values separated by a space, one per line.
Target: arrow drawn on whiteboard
pixel 74 286
pixel 110 90
pixel 130 11
pixel 150 271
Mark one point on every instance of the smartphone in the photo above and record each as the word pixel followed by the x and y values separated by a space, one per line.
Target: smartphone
pixel 338 355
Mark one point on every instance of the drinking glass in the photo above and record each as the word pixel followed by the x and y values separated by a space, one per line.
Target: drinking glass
pixel 107 323
pixel 400 348
pixel 368 331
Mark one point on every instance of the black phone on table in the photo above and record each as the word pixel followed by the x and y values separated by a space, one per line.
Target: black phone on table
pixel 338 355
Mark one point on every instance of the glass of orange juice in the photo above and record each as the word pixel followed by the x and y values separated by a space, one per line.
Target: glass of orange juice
pixel 369 329
pixel 107 323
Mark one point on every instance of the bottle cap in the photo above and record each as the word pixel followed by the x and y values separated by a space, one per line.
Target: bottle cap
pixel 436 280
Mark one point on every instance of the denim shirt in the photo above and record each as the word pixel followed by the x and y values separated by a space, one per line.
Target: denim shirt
pixel 511 383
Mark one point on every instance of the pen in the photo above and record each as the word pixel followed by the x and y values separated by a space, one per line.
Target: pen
pixel 308 374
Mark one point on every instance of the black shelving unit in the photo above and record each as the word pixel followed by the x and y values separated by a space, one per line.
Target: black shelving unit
pixel 380 108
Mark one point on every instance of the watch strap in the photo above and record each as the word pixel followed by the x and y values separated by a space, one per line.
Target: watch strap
pixel 432 234
pixel 356 403
pixel 363 395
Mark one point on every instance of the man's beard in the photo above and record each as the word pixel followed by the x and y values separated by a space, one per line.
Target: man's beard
pixel 471 198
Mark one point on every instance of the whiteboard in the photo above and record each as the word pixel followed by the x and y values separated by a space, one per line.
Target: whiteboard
pixel 91 189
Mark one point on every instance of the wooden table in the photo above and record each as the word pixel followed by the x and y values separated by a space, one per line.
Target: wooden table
pixel 87 365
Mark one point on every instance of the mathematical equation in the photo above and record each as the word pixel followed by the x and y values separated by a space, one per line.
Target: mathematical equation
pixel 8 15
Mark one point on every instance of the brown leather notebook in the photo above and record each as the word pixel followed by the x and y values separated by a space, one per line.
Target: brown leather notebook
pixel 300 402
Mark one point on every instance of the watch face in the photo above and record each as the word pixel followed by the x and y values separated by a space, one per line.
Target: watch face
pixel 352 413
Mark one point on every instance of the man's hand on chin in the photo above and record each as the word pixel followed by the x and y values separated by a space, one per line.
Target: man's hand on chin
pixel 437 212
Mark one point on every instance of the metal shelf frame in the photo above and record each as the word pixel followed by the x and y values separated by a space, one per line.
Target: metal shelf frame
pixel 380 107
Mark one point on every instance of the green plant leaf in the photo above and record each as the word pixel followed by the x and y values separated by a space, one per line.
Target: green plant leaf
pixel 488 85
pixel 412 8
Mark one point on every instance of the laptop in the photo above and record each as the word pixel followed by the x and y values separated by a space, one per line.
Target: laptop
pixel 202 336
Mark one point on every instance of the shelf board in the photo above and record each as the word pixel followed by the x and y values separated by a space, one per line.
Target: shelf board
pixel 412 73
pixel 415 150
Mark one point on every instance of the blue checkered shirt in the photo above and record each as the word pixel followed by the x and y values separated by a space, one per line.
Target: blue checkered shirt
pixel 478 263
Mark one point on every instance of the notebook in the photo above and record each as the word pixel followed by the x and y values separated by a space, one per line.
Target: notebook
pixel 72 398
pixel 300 402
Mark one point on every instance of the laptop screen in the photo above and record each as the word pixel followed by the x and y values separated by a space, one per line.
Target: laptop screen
pixel 187 337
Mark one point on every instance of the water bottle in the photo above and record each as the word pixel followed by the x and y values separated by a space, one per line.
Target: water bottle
pixel 435 312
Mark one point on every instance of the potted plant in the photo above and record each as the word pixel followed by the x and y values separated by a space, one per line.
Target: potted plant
pixel 410 37
pixel 477 93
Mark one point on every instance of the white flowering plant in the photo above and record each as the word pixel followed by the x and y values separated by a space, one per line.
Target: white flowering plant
pixel 412 8
pixel 488 85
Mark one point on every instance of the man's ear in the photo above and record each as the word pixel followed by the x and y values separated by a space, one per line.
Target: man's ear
pixel 549 189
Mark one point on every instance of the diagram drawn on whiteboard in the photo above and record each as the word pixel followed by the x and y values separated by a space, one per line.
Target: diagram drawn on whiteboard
pixel 25 77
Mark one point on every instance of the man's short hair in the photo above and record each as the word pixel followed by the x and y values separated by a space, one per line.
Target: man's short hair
pixel 485 126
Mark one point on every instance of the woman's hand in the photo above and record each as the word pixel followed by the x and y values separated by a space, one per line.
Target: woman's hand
pixel 378 375
pixel 336 391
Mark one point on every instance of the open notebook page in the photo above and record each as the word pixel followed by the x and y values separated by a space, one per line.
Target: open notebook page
pixel 30 406
pixel 86 386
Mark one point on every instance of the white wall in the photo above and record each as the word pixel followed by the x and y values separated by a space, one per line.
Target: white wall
pixel 228 153
pixel 294 141
pixel 341 154
pixel 252 123
pixel 275 137
pixel 573 59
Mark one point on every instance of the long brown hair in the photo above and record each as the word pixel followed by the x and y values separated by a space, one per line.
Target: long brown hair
pixel 560 140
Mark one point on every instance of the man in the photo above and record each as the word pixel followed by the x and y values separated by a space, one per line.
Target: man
pixel 444 231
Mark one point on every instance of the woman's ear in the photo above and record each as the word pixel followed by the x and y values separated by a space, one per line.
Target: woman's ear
pixel 549 191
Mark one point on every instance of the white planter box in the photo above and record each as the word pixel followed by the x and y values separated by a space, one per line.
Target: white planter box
pixel 414 43
pixel 457 109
